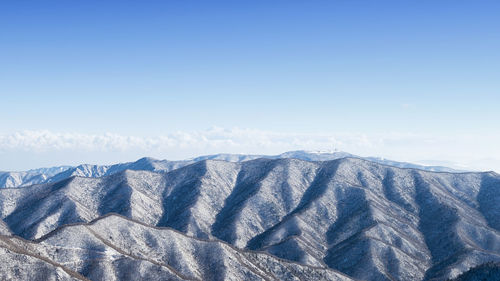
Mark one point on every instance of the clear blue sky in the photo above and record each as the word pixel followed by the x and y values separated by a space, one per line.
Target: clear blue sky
pixel 152 68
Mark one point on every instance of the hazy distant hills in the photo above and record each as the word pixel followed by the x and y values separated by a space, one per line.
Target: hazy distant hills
pixel 25 178
pixel 45 175
pixel 270 218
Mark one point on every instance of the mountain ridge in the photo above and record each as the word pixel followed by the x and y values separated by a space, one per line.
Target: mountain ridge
pixel 112 215
pixel 44 175
pixel 121 219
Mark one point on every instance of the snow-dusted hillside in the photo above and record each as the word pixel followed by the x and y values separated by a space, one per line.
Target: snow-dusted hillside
pixel 116 248
pixel 364 219
pixel 484 272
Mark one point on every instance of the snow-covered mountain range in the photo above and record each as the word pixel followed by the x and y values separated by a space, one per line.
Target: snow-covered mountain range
pixel 44 175
pixel 229 217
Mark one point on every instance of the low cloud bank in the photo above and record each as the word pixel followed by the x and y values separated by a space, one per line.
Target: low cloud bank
pixel 39 147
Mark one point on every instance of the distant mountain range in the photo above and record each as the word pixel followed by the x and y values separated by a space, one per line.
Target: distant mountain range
pixel 45 175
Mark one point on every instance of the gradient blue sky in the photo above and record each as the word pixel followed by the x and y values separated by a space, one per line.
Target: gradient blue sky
pixel 344 69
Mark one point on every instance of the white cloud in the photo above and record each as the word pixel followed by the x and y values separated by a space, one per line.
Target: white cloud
pixel 41 141
pixel 42 147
